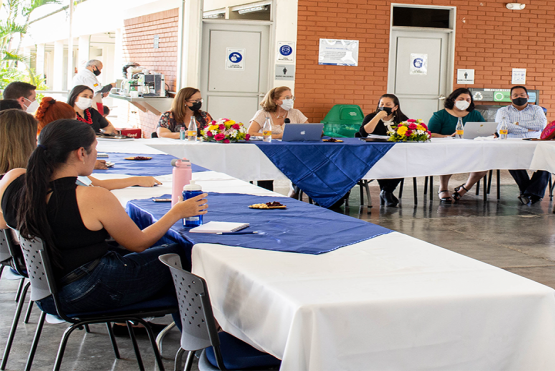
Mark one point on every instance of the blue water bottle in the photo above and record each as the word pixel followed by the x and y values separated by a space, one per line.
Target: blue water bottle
pixel 189 191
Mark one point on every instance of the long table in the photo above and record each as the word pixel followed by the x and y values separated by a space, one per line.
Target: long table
pixel 393 302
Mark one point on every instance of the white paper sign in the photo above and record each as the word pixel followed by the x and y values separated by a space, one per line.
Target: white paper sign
pixel 285 72
pixel 235 59
pixel 338 52
pixel 465 77
pixel 285 51
pixel 418 64
pixel 519 76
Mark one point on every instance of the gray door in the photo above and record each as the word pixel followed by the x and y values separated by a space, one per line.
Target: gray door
pixel 236 72
pixel 419 71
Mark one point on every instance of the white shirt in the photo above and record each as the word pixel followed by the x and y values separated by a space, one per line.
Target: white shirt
pixel 530 118
pixel 88 78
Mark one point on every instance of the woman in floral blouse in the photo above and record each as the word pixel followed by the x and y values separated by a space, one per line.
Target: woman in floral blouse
pixel 185 105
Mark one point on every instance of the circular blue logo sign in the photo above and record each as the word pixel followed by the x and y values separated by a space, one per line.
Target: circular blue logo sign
pixel 285 50
pixel 418 62
pixel 235 57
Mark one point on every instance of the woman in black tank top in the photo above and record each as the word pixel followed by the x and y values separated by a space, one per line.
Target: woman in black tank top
pixel 74 222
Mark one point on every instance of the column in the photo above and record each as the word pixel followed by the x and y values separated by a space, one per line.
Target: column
pixel 191 24
pixel 58 65
pixel 84 51
pixel 118 54
pixel 40 68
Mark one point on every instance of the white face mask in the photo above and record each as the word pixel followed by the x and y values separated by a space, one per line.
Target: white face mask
pixel 287 104
pixel 462 105
pixel 31 108
pixel 83 103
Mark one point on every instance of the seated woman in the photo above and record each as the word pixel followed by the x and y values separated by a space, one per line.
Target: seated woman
pixel 387 114
pixel 51 110
pixel 186 104
pixel 81 99
pixel 442 124
pixel 74 222
pixel 277 105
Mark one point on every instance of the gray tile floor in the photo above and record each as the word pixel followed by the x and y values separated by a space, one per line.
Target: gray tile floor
pixel 503 233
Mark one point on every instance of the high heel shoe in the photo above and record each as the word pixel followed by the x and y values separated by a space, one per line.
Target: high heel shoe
pixel 445 199
pixel 456 195
pixel 388 199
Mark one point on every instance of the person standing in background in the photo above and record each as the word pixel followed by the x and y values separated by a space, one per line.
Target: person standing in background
pixel 88 76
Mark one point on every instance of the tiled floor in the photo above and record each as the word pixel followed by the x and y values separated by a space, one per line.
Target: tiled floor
pixel 503 233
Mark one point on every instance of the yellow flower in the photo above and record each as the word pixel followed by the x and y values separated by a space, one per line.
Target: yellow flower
pixel 230 122
pixel 419 127
pixel 402 130
pixel 213 127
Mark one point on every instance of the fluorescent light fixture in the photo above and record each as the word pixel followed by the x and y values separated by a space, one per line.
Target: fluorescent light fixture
pixel 214 14
pixel 516 6
pixel 252 9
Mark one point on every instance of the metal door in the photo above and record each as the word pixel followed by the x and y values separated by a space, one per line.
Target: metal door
pixel 235 74
pixel 419 71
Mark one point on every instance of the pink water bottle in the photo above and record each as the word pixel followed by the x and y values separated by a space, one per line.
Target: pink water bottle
pixel 181 176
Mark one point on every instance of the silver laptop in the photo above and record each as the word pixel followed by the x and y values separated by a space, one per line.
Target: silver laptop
pixel 479 129
pixel 302 132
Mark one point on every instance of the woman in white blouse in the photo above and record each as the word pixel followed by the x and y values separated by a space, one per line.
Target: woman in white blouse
pixel 277 105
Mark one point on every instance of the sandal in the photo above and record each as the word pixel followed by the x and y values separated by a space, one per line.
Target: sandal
pixel 456 195
pixel 445 199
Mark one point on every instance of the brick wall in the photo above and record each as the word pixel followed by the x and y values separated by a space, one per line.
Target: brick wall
pixel 489 38
pixel 138 46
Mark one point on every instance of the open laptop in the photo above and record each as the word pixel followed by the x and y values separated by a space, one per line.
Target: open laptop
pixel 479 129
pixel 302 132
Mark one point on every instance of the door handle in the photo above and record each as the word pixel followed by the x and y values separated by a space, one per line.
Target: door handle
pixel 441 97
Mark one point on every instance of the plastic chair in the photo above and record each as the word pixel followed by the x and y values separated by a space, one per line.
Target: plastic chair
pixel 43 284
pixel 221 351
pixel 343 121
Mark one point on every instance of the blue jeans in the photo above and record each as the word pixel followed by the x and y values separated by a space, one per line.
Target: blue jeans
pixel 118 280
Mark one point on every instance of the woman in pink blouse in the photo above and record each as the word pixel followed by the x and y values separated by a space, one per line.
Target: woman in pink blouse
pixel 277 105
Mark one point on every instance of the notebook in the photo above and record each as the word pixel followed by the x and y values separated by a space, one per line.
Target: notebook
pixel 219 227
pixel 302 132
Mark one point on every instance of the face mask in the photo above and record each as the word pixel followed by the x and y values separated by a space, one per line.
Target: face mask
pixel 462 105
pixel 520 101
pixel 96 72
pixel 287 104
pixel 31 108
pixel 388 110
pixel 196 106
pixel 83 103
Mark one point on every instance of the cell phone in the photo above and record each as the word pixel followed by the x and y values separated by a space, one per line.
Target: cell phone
pixel 162 199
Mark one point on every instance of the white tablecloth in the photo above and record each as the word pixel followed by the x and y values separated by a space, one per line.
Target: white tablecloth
pixel 441 156
pixel 544 157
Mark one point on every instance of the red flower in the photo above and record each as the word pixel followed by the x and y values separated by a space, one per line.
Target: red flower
pixel 247 137
pixel 412 126
pixel 411 120
pixel 226 140
pixel 222 127
pixel 236 126
pixel 408 133
pixel 209 133
pixel 424 126
pixel 219 136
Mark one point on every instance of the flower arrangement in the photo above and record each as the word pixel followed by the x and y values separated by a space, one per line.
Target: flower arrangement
pixel 224 131
pixel 410 131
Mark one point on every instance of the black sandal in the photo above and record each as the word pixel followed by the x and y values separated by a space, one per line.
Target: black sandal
pixel 445 199
pixel 456 195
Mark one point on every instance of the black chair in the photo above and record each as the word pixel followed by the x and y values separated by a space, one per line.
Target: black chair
pixel 43 285
pixel 220 351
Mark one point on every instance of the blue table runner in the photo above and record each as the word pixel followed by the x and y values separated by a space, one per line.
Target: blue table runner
pixel 301 228
pixel 325 171
pixel 159 165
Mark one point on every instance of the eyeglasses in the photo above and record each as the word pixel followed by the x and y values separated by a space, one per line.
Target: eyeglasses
pixel 196 101
pixel 288 97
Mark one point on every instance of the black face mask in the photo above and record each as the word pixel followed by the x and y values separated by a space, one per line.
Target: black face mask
pixel 386 109
pixel 96 72
pixel 520 101
pixel 196 106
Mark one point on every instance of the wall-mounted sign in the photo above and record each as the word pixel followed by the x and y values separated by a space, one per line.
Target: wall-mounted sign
pixel 285 72
pixel 156 41
pixel 235 59
pixel 338 52
pixel 500 95
pixel 465 77
pixel 418 64
pixel 285 51
pixel 519 76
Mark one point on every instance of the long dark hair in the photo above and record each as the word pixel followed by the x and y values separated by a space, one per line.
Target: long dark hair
pixel 56 141
pixel 398 115
pixel 450 100
pixel 74 93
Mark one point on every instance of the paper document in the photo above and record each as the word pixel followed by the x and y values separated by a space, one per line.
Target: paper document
pixel 219 227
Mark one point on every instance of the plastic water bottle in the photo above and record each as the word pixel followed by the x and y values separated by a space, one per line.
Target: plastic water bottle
pixel 182 133
pixel 192 130
pixel 459 130
pixel 267 130
pixel 504 129
pixel 189 191
pixel 181 176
